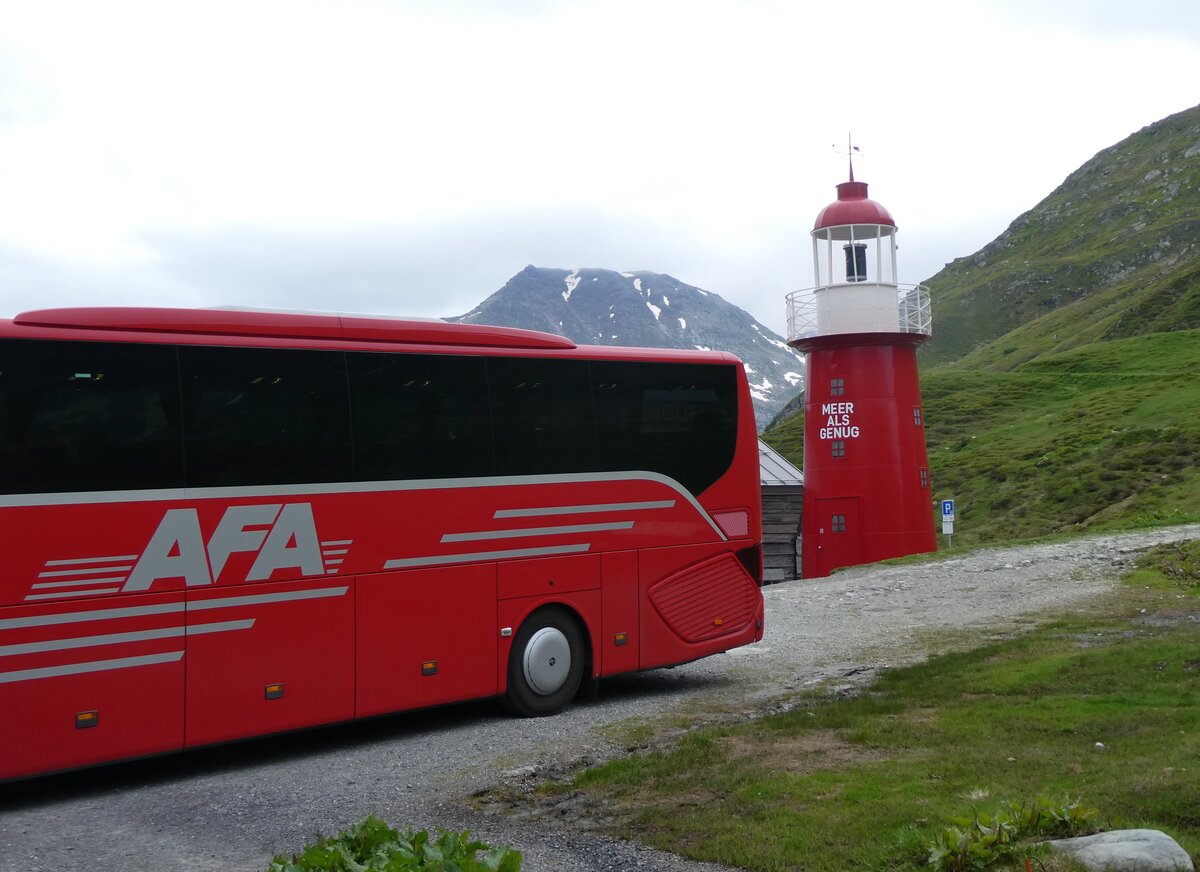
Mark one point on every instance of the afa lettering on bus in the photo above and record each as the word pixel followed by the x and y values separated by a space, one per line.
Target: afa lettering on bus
pixel 284 537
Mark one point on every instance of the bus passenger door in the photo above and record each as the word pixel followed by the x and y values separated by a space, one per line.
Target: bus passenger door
pixel 90 680
pixel 269 656
pixel 425 636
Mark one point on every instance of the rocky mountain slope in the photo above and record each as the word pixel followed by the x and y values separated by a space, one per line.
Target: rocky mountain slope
pixel 1113 252
pixel 649 310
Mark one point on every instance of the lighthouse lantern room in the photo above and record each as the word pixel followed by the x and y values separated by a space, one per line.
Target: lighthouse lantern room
pixel 866 473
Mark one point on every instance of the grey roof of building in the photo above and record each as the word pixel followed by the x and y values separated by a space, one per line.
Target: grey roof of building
pixel 774 469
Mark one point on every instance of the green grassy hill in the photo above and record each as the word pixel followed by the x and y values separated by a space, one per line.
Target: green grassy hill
pixel 1062 388
pixel 1114 252
pixel 1100 437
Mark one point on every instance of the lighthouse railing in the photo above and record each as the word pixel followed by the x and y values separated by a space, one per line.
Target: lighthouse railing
pixel 808 316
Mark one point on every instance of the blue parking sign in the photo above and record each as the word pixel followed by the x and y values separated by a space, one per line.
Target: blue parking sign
pixel 947 508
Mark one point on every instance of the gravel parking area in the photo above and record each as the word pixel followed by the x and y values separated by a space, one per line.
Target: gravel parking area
pixel 232 808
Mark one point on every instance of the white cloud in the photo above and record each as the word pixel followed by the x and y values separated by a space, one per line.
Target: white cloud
pixel 458 142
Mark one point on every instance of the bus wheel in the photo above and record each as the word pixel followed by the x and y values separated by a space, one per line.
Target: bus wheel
pixel 545 665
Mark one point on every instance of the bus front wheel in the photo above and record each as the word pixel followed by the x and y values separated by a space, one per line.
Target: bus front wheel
pixel 545 664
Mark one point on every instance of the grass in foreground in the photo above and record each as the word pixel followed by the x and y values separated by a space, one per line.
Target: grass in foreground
pixel 869 782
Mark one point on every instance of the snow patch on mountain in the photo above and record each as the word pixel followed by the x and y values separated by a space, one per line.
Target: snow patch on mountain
pixel 682 323
pixel 653 308
pixel 572 282
pixel 793 352
pixel 793 378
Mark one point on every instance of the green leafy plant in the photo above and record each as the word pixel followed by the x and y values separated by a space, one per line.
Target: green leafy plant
pixel 982 841
pixel 1042 817
pixel 974 843
pixel 372 846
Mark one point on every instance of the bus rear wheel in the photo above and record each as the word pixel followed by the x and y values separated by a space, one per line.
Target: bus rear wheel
pixel 545 664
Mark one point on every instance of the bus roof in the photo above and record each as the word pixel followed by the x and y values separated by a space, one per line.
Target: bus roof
pixel 289 325
pixel 283 328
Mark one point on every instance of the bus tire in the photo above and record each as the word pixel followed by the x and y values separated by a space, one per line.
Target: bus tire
pixel 545 664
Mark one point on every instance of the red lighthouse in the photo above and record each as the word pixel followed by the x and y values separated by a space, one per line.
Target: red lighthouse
pixel 866 472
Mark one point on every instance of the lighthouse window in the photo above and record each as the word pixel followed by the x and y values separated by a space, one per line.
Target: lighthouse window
pixel 917 416
pixel 837 387
pixel 839 447
pixel 924 477
pixel 838 523
pixel 856 262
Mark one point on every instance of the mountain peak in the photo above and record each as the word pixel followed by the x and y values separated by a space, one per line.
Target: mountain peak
pixel 593 306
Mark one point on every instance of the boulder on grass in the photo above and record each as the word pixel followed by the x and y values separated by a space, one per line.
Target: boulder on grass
pixel 1126 851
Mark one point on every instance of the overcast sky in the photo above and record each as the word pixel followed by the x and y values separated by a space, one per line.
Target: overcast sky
pixel 409 157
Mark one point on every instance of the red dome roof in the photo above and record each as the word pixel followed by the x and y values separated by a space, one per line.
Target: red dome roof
pixel 853 207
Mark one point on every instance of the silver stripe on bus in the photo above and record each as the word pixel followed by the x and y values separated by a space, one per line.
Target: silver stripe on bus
pixel 536 531
pixel 164 608
pixel 583 510
pixel 78 582
pixel 66 593
pixel 99 615
pixel 95 570
pixel 75 560
pixel 94 666
pixel 336 542
pixel 439 559
pixel 219 627
pixel 335 550
pixel 121 638
pixel 349 487
pixel 262 598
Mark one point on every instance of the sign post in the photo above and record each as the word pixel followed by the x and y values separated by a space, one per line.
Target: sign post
pixel 948 522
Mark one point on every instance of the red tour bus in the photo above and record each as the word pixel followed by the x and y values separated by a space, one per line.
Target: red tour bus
pixel 220 524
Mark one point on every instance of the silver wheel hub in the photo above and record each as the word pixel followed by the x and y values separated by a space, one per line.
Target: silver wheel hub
pixel 547 660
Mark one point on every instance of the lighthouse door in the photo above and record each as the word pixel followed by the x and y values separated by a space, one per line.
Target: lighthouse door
pixel 839 533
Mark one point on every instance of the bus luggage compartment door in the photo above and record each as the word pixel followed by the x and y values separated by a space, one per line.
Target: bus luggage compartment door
pixel 269 656
pixel 425 636
pixel 90 680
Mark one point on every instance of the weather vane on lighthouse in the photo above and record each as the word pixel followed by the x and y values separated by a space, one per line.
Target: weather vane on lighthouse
pixel 866 472
pixel 850 151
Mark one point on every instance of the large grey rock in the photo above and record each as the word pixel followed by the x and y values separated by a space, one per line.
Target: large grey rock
pixel 1127 851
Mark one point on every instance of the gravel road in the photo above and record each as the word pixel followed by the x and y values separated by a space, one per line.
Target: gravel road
pixel 232 808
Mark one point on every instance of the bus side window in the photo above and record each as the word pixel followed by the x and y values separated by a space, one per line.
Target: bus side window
pixel 264 416
pixel 542 416
pixel 646 411
pixel 88 416
pixel 419 416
